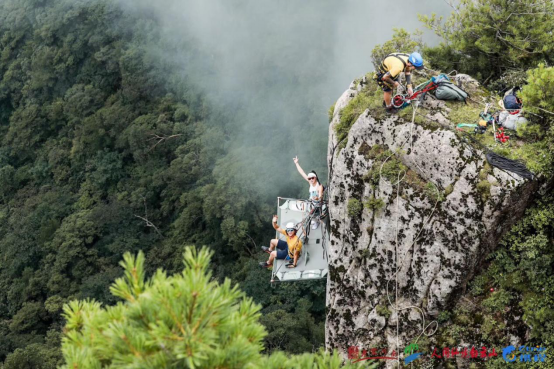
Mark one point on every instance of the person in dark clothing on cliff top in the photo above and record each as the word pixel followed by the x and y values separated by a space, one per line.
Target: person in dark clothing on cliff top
pixel 389 71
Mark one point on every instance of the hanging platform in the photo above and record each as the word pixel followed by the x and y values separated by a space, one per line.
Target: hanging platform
pixel 313 262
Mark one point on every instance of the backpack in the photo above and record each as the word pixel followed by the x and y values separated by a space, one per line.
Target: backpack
pixel 510 100
pixel 510 121
pixel 440 78
pixel 446 90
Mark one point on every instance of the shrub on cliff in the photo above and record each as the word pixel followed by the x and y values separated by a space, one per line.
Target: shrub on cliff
pixel 490 37
pixel 401 41
pixel 354 208
pixel 350 114
pixel 538 97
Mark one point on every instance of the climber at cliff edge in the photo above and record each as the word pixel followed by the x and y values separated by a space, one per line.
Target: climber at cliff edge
pixel 389 71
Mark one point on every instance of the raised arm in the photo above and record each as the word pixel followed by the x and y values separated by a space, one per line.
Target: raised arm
pixel 276 226
pixel 300 170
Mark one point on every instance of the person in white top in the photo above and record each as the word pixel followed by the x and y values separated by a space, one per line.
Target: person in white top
pixel 316 188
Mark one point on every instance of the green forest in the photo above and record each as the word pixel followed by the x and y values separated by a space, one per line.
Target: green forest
pixel 108 148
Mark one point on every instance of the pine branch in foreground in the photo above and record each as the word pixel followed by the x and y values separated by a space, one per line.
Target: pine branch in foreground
pixel 186 320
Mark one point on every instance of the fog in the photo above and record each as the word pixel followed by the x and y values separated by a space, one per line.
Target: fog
pixel 272 68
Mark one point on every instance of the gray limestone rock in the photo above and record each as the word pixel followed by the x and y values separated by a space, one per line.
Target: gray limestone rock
pixel 468 83
pixel 434 211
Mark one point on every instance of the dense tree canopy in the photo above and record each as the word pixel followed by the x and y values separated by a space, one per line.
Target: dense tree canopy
pixel 106 148
pixel 488 38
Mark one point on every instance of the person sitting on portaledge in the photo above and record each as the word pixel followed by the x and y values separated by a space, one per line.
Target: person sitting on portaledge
pixel 287 250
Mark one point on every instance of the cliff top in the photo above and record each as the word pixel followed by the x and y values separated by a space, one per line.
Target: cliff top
pixel 433 114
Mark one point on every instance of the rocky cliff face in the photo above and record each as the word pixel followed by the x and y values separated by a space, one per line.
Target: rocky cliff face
pixel 415 210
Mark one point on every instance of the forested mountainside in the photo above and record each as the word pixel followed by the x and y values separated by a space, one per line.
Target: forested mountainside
pixel 106 148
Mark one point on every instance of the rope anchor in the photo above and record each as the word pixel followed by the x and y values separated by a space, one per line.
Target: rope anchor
pixel 400 101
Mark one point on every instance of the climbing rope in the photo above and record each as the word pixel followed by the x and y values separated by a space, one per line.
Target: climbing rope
pixel 402 100
pixel 397 267
pixel 426 221
pixel 494 159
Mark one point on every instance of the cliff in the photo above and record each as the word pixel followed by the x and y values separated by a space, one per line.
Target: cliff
pixel 415 209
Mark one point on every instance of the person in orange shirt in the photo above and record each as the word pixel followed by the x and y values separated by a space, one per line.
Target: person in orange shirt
pixel 279 249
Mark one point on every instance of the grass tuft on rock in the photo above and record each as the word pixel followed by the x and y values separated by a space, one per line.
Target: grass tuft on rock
pixel 354 208
pixel 331 112
pixel 484 188
pixel 350 114
pixel 374 204
pixel 463 113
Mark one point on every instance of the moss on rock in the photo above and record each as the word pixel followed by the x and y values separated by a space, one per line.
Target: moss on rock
pixel 484 188
pixel 354 208
pixel 374 204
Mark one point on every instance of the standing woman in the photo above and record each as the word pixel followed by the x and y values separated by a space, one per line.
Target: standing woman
pixel 316 189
